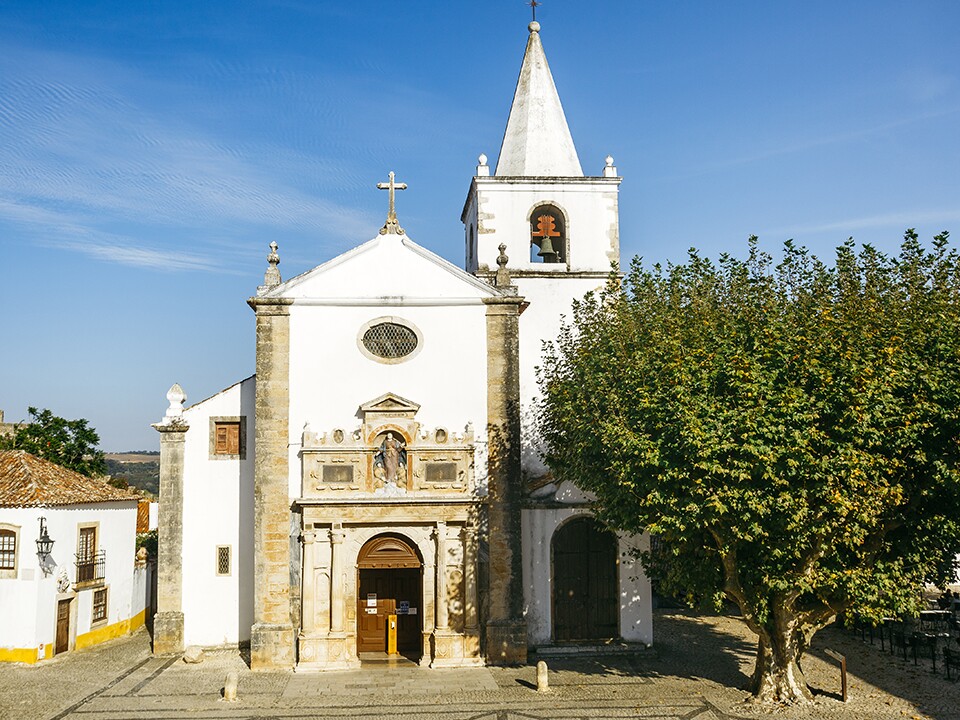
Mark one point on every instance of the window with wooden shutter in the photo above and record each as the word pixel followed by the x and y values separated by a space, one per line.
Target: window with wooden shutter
pixel 8 550
pixel 99 605
pixel 87 547
pixel 227 438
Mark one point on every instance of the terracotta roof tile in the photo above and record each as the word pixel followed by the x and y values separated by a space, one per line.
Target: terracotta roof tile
pixel 29 481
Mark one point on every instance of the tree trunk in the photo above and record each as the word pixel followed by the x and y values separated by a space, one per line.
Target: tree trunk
pixel 777 677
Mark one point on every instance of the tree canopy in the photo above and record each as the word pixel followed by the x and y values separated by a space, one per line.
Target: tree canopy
pixel 789 431
pixel 70 443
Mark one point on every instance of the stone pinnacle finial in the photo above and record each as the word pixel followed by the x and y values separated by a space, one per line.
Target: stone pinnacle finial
pixel 609 169
pixel 271 278
pixel 392 226
pixel 503 275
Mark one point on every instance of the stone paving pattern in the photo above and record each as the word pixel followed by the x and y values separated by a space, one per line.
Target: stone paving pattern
pixel 696 673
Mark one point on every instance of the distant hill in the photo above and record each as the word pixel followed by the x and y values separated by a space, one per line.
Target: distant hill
pixel 139 468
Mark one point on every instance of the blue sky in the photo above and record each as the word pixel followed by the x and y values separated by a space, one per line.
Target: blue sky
pixel 149 153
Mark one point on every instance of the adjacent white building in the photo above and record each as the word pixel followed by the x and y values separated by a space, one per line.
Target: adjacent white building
pixel 377 485
pixel 81 583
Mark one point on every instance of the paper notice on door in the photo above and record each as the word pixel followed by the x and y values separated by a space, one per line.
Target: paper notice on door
pixel 371 611
pixel 371 600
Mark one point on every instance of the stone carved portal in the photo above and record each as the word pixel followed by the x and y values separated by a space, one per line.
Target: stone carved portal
pixel 390 522
pixel 390 454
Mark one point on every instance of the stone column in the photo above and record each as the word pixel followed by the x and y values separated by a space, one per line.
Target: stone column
pixel 471 617
pixel 506 633
pixel 443 620
pixel 168 622
pixel 337 588
pixel 272 635
pixel 309 614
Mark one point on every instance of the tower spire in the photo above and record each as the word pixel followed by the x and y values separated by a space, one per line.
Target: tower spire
pixel 537 141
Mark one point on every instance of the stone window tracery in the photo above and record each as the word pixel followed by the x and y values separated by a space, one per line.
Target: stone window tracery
pixel 389 340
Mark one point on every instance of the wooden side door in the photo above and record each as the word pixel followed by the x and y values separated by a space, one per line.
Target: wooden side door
pixel 585 599
pixel 372 626
pixel 63 627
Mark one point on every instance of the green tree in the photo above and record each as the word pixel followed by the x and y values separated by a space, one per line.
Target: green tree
pixel 70 443
pixel 791 432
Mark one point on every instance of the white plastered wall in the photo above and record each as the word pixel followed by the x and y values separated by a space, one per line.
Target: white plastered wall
pixel 330 377
pixel 389 278
pixel 218 510
pixel 500 213
pixel 29 602
pixel 550 300
pixel 538 526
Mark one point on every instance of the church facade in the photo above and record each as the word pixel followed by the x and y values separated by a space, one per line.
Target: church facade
pixel 377 486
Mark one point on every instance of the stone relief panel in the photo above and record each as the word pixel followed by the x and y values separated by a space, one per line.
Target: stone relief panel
pixel 389 455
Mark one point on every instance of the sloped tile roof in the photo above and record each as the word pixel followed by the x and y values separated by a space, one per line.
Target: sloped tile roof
pixel 29 481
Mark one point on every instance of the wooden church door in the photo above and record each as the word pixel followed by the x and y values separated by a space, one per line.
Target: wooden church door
pixel 585 598
pixel 389 582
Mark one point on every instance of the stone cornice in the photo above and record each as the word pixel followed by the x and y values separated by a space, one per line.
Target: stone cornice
pixel 270 305
pixel 404 501
pixel 171 427
pixel 504 300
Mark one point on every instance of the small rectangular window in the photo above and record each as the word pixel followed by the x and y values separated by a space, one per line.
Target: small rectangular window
pixel 227 438
pixel 8 550
pixel 87 546
pixel 99 605
pixel 223 560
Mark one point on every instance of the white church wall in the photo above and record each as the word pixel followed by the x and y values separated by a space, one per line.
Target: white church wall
pixel 218 511
pixel 538 526
pixel 330 377
pixel 589 207
pixel 385 270
pixel 549 299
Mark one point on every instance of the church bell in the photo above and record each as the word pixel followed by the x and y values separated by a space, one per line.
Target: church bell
pixel 547 252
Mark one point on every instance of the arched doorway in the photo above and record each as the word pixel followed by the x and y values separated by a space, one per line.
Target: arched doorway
pixel 389 578
pixel 585 597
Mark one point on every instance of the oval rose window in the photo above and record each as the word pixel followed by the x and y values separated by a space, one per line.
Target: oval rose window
pixel 389 340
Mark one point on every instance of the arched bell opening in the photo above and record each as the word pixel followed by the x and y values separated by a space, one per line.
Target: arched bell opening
pixel 390 583
pixel 585 581
pixel 548 235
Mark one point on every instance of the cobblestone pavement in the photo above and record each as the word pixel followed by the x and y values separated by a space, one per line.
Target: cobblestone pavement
pixel 696 674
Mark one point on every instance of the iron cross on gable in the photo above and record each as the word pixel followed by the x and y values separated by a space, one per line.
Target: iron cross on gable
pixel 391 226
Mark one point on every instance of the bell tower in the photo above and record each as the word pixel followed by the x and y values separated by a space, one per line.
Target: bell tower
pixel 560 227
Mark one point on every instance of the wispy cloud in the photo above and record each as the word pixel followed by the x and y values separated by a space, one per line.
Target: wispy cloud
pixel 89 165
pixel 801 145
pixel 900 220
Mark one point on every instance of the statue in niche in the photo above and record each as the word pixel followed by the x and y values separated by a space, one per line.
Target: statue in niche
pixel 391 458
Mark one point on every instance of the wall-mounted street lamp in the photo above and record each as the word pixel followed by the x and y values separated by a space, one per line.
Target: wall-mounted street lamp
pixel 44 543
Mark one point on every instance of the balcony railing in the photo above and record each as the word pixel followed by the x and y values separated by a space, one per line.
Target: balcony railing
pixel 90 568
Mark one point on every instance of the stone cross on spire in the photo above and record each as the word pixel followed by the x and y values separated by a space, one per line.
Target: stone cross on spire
pixel 391 226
